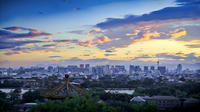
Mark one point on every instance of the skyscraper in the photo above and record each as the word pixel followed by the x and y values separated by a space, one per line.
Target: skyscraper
pixel 152 68
pixel 146 69
pixel 131 69
pixel 162 69
pixel 179 68
pixel 81 65
pixel 87 66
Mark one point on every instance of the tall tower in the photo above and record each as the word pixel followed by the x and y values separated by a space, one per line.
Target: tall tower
pixel 179 68
pixel 158 62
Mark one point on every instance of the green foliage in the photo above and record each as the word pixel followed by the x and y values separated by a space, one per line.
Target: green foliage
pixel 117 97
pixel 75 104
pixel 189 89
pixel 31 96
pixel 150 107
pixel 5 103
pixel 14 96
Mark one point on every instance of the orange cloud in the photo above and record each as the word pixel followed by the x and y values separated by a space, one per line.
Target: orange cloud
pixel 48 38
pixel 95 30
pixel 102 40
pixel 13 53
pixel 86 44
pixel 178 33
pixel 14 29
pixel 62 41
pixel 35 31
pixel 148 36
pixel 132 34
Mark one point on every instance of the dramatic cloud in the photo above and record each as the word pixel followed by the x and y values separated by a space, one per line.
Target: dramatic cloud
pixel 97 41
pixel 169 13
pixel 55 56
pixel 186 2
pixel 193 46
pixel 62 41
pixel 109 54
pixel 186 57
pixel 178 33
pixel 13 53
pixel 13 44
pixel 20 50
pixel 31 33
pixel 109 51
pixel 178 23
pixel 9 39
pixel 49 45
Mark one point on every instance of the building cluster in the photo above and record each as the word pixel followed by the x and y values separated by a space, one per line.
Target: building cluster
pixel 164 103
pixel 134 72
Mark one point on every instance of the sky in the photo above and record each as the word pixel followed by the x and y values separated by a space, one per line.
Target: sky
pixel 98 32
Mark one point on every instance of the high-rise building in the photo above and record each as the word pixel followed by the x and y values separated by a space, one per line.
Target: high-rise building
pixel 72 68
pixel 94 71
pixel 131 69
pixel 107 69
pixel 50 68
pixel 81 65
pixel 100 70
pixel 152 68
pixel 120 68
pixel 162 69
pixel 179 68
pixel 146 69
pixel 87 66
pixel 137 69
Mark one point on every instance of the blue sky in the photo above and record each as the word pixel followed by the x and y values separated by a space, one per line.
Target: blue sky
pixel 65 14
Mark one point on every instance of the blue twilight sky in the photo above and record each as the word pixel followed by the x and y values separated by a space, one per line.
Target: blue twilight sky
pixel 58 15
pixel 35 32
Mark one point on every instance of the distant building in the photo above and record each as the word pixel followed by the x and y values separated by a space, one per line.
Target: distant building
pixel 87 66
pixel 198 71
pixel 165 102
pixel 179 68
pixel 162 69
pixel 162 102
pixel 137 69
pixel 131 69
pixel 94 71
pixel 72 68
pixel 146 69
pixel 50 69
pixel 81 65
pixel 120 68
pixel 152 68
pixel 107 69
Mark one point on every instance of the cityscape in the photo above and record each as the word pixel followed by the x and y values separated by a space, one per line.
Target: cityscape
pixel 99 56
pixel 134 72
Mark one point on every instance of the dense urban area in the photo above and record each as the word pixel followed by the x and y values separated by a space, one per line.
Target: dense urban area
pixel 109 89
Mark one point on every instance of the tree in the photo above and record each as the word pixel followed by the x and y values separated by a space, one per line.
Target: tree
pixel 32 96
pixel 14 96
pixel 5 104
pixel 149 107
pixel 75 104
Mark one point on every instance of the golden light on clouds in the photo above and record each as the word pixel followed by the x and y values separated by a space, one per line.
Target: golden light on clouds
pixel 178 33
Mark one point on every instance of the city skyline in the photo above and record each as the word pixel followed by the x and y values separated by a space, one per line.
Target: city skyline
pixel 99 32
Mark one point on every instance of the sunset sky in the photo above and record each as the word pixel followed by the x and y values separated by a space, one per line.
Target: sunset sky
pixel 63 32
